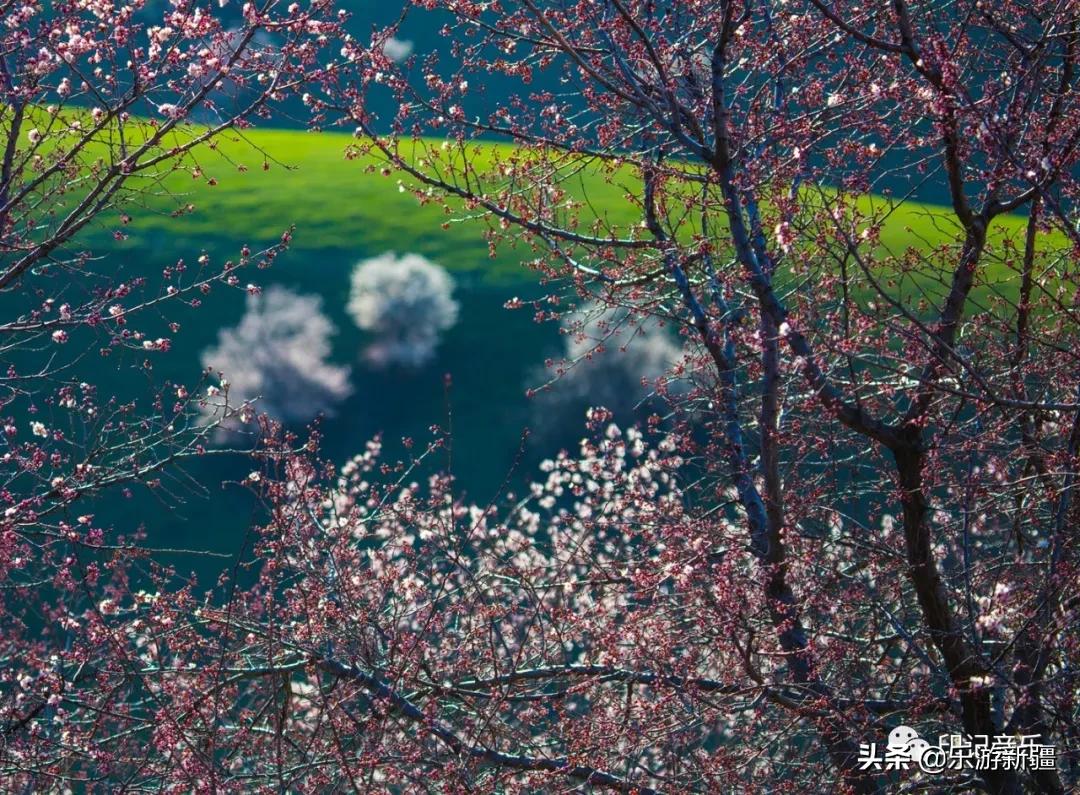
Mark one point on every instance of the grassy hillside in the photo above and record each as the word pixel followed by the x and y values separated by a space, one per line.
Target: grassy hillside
pixel 338 207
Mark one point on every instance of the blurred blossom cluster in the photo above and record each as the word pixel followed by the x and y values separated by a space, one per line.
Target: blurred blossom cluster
pixel 397 49
pixel 609 359
pixel 278 356
pixel 406 303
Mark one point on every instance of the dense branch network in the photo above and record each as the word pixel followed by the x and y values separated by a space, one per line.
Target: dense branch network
pixel 859 516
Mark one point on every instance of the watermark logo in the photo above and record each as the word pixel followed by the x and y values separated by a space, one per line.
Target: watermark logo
pixel 906 750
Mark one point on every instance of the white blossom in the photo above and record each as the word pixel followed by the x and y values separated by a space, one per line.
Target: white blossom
pixel 397 49
pixel 278 356
pixel 406 303
pixel 610 362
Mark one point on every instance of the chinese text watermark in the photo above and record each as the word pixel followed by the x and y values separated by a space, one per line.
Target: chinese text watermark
pixel 905 748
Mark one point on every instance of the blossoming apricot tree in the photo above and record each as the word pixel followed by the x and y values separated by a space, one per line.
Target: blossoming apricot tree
pixel 890 536
pixel 275 361
pixel 100 104
pixel 406 303
pixel 877 527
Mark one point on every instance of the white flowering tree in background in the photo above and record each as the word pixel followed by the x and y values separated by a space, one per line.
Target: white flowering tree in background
pixel 276 361
pixel 406 303
pixel 611 359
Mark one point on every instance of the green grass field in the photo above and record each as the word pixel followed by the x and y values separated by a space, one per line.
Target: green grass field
pixel 339 206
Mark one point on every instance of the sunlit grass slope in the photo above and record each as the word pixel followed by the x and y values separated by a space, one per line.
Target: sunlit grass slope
pixel 339 206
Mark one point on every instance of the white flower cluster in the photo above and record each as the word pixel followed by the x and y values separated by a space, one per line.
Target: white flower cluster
pixel 278 356
pixel 406 303
pixel 609 360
